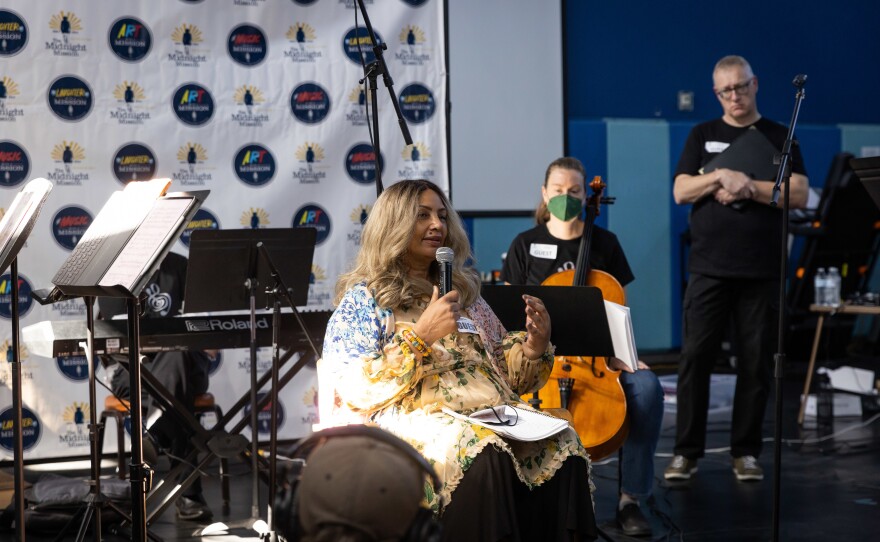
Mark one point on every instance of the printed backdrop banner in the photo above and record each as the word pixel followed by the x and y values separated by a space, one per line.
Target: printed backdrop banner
pixel 258 101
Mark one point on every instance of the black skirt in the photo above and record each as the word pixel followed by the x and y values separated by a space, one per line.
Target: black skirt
pixel 491 504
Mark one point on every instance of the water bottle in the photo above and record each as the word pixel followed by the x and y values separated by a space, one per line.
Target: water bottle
pixel 832 297
pixel 819 283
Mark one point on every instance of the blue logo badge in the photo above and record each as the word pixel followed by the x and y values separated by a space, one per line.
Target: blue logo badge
pixel 416 103
pixel 31 429
pixel 357 45
pixel 193 104
pixel 202 220
pixel 13 33
pixel 25 303
pixel 313 216
pixel 69 225
pixel 247 45
pixel 264 416
pixel 134 162
pixel 360 163
pixel 216 361
pixel 416 3
pixel 70 98
pixel 130 39
pixel 14 164
pixel 75 368
pixel 309 103
pixel 254 165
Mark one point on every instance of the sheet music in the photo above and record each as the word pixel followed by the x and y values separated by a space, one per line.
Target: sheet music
pixel 525 424
pixel 19 218
pixel 149 239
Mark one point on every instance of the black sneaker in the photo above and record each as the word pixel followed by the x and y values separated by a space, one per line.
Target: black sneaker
pixel 193 509
pixel 150 449
pixel 632 522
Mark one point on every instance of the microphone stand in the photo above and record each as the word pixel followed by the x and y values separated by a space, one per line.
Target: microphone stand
pixel 783 175
pixel 372 72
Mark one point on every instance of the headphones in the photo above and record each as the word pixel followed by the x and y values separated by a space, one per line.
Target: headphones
pixel 424 528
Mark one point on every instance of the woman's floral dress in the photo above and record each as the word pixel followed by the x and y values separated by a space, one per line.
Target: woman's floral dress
pixel 403 392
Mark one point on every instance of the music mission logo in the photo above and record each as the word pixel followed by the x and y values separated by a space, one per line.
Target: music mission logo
pixel 251 111
pixel 131 104
pixel 66 27
pixel 9 94
pixel 302 44
pixel 360 163
pixel 14 164
pixel 189 52
pixel 192 171
pixel 68 157
pixel 247 45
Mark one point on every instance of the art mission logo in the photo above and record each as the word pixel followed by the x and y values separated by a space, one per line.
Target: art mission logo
pixel 9 93
pixel 25 302
pixel 130 39
pixel 193 104
pixel 313 216
pixel 66 27
pixel 68 157
pixel 192 171
pixel 254 165
pixel 131 104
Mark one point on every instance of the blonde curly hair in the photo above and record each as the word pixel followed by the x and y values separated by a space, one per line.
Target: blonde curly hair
pixel 381 261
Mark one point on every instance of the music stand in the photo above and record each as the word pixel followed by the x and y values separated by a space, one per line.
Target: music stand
pixel 868 171
pixel 127 271
pixel 16 225
pixel 221 259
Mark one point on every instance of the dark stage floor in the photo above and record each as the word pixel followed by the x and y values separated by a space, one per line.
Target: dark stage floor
pixel 830 489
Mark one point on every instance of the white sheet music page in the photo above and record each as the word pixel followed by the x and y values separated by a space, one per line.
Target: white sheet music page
pixel 149 239
pixel 514 422
pixel 620 325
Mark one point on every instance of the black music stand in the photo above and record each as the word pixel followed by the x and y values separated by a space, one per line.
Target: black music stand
pixel 15 227
pixel 268 258
pixel 125 276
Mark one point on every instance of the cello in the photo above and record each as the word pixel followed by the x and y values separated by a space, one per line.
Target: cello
pixel 586 386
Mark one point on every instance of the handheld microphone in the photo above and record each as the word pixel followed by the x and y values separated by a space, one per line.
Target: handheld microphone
pixel 800 80
pixel 444 256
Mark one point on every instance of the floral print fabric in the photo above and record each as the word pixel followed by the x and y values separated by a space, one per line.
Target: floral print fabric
pixel 403 392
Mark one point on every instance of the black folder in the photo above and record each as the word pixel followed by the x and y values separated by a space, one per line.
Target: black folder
pixel 868 171
pixel 579 325
pixel 751 153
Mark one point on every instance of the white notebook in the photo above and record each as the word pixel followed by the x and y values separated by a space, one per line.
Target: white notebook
pixel 514 422
pixel 620 325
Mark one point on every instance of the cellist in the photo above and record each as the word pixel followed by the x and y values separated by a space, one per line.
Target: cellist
pixel 552 246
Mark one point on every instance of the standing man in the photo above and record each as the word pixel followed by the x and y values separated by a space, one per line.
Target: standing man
pixel 734 273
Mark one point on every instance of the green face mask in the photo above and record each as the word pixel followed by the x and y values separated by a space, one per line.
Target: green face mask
pixel 565 207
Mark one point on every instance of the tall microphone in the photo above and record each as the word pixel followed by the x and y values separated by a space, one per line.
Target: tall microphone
pixel 800 80
pixel 444 256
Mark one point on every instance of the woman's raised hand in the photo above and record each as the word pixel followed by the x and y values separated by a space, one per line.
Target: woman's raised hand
pixel 440 317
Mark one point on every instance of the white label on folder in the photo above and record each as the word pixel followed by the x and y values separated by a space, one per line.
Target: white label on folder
pixel 466 325
pixel 716 146
pixel 539 250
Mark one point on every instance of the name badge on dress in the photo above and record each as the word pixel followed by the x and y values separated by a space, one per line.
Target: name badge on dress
pixel 716 146
pixel 466 325
pixel 539 250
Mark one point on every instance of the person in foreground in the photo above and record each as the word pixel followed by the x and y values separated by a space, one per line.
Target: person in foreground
pixel 553 246
pixel 398 353
pixel 734 273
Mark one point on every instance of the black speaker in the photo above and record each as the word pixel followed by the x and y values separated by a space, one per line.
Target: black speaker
pixel 423 528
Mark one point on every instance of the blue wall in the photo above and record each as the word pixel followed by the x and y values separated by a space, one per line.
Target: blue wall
pixel 629 59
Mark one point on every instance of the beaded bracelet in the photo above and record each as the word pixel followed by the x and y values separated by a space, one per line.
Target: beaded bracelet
pixel 416 341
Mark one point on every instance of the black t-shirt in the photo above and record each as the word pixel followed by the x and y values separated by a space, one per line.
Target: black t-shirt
pixel 161 297
pixel 729 242
pixel 534 255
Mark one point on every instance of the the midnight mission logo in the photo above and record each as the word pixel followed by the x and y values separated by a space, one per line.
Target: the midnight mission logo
pixel 131 107
pixel 192 158
pixel 252 112
pixel 303 48
pixel 310 159
pixel 189 52
pixel 68 157
pixel 9 95
pixel 413 49
pixel 66 39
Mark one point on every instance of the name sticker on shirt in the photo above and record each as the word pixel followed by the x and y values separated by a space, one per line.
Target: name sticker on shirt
pixel 466 325
pixel 539 250
pixel 716 146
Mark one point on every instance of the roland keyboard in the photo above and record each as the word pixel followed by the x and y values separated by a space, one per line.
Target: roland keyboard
pixel 59 338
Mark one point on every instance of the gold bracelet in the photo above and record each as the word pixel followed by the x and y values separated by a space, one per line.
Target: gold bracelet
pixel 416 341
